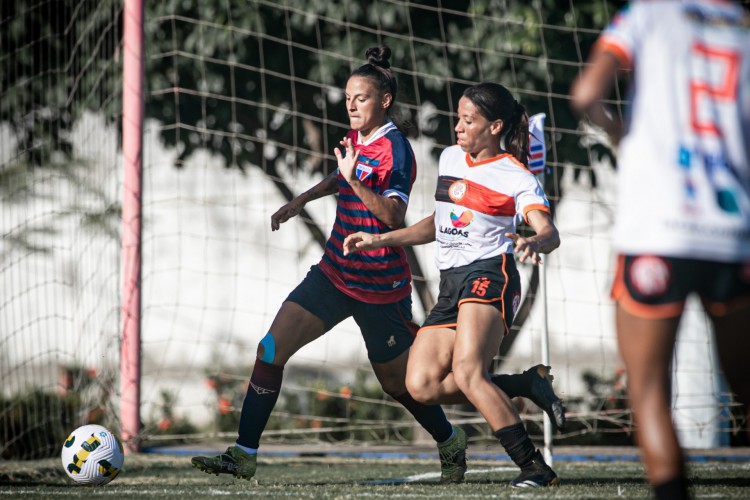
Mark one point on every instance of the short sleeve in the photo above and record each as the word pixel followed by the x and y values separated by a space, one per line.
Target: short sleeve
pixel 620 36
pixel 530 196
pixel 401 176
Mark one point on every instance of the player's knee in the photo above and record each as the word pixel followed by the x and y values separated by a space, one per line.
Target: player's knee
pixel 391 380
pixel 393 387
pixel 465 375
pixel 421 388
pixel 267 349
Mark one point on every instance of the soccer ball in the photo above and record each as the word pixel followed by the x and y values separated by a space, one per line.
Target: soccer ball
pixel 92 455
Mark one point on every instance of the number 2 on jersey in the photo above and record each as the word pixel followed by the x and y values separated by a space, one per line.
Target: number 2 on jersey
pixel 725 89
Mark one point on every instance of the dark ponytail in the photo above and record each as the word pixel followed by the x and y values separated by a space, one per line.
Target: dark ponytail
pixel 517 134
pixel 378 70
pixel 495 102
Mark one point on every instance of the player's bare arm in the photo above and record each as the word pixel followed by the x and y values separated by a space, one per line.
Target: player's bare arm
pixel 591 87
pixel 326 187
pixel 389 210
pixel 418 234
pixel 544 241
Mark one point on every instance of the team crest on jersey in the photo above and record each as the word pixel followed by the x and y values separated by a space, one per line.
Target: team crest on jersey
pixel 363 171
pixel 458 190
pixel 650 275
pixel 462 220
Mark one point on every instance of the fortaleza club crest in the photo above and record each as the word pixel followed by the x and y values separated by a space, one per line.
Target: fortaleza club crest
pixel 363 171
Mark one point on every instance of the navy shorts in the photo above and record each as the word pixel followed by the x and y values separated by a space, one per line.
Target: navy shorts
pixel 651 286
pixel 386 328
pixel 494 281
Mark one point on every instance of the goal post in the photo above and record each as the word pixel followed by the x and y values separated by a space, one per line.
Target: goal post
pixel 132 154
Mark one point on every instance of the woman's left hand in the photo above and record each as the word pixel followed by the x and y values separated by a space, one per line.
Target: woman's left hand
pixel 526 248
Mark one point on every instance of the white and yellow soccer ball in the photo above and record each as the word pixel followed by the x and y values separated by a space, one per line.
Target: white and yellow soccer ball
pixel 92 455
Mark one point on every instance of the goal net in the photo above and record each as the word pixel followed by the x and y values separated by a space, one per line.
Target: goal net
pixel 60 90
pixel 244 105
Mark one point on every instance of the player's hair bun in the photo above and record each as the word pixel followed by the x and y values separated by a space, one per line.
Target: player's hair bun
pixel 378 56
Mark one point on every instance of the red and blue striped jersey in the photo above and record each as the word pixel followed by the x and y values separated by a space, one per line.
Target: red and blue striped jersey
pixel 386 164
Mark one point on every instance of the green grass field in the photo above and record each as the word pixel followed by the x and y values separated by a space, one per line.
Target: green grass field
pixel 171 476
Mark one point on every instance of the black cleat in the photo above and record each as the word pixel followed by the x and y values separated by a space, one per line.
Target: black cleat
pixel 544 396
pixel 536 475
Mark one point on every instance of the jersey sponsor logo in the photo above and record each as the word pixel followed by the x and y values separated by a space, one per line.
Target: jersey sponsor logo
pixel 462 220
pixel 398 283
pixel 452 231
pixel 650 275
pixel 458 190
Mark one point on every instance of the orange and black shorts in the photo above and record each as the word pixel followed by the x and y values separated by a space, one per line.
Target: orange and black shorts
pixel 652 286
pixel 493 281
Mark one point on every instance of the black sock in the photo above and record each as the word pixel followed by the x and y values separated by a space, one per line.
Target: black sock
pixel 262 393
pixel 674 489
pixel 517 444
pixel 518 384
pixel 431 417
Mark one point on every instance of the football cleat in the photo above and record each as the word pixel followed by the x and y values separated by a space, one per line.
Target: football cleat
pixel 235 461
pixel 536 475
pixel 453 457
pixel 544 396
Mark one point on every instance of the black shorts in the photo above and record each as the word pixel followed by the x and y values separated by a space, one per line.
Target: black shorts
pixel 493 281
pixel 652 286
pixel 386 328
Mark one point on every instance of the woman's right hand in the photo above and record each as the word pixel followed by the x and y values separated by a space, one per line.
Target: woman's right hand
pixel 360 241
pixel 286 212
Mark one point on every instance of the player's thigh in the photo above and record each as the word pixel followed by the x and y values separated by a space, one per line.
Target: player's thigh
pixel 431 356
pixel 646 345
pixel 311 309
pixel 293 328
pixel 479 332
pixel 392 374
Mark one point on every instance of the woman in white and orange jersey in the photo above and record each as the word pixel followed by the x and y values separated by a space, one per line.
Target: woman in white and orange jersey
pixel 683 218
pixel 482 189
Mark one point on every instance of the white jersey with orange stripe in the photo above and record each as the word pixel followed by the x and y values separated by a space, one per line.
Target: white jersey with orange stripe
pixel 477 203
pixel 684 162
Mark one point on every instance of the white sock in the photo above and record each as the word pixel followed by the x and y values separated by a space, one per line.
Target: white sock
pixel 249 451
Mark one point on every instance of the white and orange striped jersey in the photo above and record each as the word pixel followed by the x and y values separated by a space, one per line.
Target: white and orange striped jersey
pixel 684 162
pixel 477 203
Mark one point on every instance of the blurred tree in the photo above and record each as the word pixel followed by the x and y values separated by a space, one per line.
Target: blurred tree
pixel 57 60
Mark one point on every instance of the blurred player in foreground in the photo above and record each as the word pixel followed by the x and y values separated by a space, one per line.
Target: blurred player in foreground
pixel 481 189
pixel 683 216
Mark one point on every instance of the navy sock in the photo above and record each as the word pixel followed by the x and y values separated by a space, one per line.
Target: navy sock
pixel 674 489
pixel 518 384
pixel 431 417
pixel 517 444
pixel 262 393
